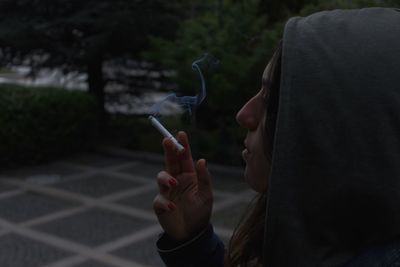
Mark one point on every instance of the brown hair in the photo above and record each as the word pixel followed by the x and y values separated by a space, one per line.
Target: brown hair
pixel 246 244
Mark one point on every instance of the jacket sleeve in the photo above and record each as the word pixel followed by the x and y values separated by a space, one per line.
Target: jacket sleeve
pixel 205 249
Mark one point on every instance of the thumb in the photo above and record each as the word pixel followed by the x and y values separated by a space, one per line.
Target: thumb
pixel 204 177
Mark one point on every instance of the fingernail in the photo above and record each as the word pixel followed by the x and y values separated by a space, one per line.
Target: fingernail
pixel 171 206
pixel 172 182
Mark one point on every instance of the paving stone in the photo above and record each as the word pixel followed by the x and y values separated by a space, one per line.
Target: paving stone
pixel 230 216
pixel 145 200
pixel 141 201
pixel 144 169
pixel 97 226
pixel 100 161
pixel 92 264
pixel 229 183
pixel 144 252
pixel 94 227
pixel 222 181
pixel 19 251
pixel 97 185
pixel 29 205
pixel 5 187
pixel 53 172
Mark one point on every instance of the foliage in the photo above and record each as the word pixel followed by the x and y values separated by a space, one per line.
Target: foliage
pixel 238 38
pixel 81 35
pixel 240 41
pixel 73 31
pixel 278 10
pixel 38 124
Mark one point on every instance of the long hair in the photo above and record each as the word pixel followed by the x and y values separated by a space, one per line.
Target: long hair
pixel 246 244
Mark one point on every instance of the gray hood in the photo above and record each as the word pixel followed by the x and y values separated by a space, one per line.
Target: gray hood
pixel 334 188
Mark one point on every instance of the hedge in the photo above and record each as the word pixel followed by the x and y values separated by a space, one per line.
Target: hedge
pixel 37 124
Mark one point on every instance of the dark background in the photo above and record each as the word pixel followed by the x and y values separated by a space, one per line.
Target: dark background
pixel 159 39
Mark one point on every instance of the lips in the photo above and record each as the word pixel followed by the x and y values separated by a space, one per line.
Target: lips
pixel 245 154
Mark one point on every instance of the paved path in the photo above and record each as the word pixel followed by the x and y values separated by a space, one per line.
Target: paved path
pixel 95 211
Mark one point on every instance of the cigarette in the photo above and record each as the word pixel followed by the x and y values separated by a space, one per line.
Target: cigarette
pixel 165 133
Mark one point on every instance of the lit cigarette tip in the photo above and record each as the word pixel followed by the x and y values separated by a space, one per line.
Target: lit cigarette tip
pixel 165 133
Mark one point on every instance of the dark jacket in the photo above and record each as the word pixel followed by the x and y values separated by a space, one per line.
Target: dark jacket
pixel 205 249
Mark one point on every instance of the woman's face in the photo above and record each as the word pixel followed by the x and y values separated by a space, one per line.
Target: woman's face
pixel 251 116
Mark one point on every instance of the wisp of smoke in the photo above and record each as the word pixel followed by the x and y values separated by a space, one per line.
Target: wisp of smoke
pixel 190 102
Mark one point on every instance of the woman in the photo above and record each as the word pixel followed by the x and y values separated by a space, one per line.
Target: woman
pixel 326 162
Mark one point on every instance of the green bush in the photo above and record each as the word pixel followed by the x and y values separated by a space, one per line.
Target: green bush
pixel 37 124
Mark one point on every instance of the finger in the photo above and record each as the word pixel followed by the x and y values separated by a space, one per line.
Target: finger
pixel 204 177
pixel 162 205
pixel 166 183
pixel 172 164
pixel 186 160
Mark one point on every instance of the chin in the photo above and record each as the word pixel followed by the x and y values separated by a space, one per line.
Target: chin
pixel 254 185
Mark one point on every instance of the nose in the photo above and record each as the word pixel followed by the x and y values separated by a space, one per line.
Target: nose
pixel 250 114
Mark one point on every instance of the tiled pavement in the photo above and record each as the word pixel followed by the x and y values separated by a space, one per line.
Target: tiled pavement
pixel 96 211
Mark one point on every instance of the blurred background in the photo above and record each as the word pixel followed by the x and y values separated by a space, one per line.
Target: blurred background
pixel 78 75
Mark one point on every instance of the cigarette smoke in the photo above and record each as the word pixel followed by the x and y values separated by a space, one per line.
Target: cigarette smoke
pixel 190 102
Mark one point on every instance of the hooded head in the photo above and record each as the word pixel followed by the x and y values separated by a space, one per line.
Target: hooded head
pixel 334 186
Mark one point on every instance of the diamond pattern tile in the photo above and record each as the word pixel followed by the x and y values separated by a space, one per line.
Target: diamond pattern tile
pixel 19 251
pixel 141 201
pixel 229 184
pixel 94 227
pixel 144 169
pixel 92 264
pixel 100 161
pixel 144 252
pixel 56 171
pixel 97 185
pixel 145 200
pixel 29 205
pixel 5 187
pixel 229 217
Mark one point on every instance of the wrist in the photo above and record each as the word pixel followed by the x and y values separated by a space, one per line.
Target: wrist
pixel 168 243
pixel 205 249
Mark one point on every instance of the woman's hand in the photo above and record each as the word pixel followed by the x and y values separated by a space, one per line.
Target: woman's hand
pixel 184 203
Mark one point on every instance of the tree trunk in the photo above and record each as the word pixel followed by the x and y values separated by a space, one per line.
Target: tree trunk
pixel 96 87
